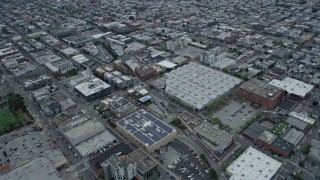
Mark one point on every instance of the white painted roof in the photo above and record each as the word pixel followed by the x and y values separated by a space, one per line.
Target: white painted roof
pixel 302 117
pixel 92 86
pixel 253 165
pixel 167 64
pixel 293 86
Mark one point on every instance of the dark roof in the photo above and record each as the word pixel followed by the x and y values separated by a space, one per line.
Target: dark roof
pixel 145 127
pixel 261 88
pixel 297 123
pixel 145 69
pixel 255 130
pixel 283 145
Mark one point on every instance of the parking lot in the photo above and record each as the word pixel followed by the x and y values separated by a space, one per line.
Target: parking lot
pixel 184 162
pixel 236 114
pixel 30 145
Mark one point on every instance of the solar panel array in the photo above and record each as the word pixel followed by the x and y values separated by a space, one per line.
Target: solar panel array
pixel 145 127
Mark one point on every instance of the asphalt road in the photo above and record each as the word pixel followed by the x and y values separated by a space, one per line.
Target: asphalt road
pixel 41 119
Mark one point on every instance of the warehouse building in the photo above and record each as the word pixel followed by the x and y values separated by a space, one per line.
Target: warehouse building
pixel 38 168
pixel 293 86
pixel 146 131
pixel 298 124
pixel 213 138
pixel 261 93
pixel 93 89
pixel 87 135
pixel 253 164
pixel 196 86
pixel 293 136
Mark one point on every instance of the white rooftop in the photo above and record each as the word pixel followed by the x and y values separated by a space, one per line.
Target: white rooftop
pixel 253 165
pixel 302 117
pixel 197 85
pixel 92 86
pixel 167 64
pixel 80 58
pixel 293 86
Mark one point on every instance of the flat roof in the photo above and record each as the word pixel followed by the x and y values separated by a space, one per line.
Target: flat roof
pixel 302 117
pixel 252 165
pixel 39 168
pixel 267 137
pixel 198 85
pixel 145 127
pixel 95 143
pixel 83 131
pixel 80 58
pixel 296 122
pixel 261 88
pixel 167 64
pixel 92 86
pixel 224 63
pixel 293 86
pixel 189 119
pixel 255 130
pixel 283 145
pixel 213 134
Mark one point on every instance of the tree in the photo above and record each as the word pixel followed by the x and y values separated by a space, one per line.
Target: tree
pixel 315 103
pixel 297 176
pixel 314 10
pixel 213 173
pixel 301 163
pixel 277 42
pixel 16 102
pixel 306 149
pixel 72 72
pixel 177 122
pixel 272 65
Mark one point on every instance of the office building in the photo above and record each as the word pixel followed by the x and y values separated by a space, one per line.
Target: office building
pixel 93 89
pixel 136 165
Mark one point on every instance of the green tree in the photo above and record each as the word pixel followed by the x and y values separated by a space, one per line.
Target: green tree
pixel 214 174
pixel 306 149
pixel 16 102
pixel 72 72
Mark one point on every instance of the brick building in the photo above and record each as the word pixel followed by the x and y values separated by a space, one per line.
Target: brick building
pixel 261 93
pixel 261 136
pixel 145 72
